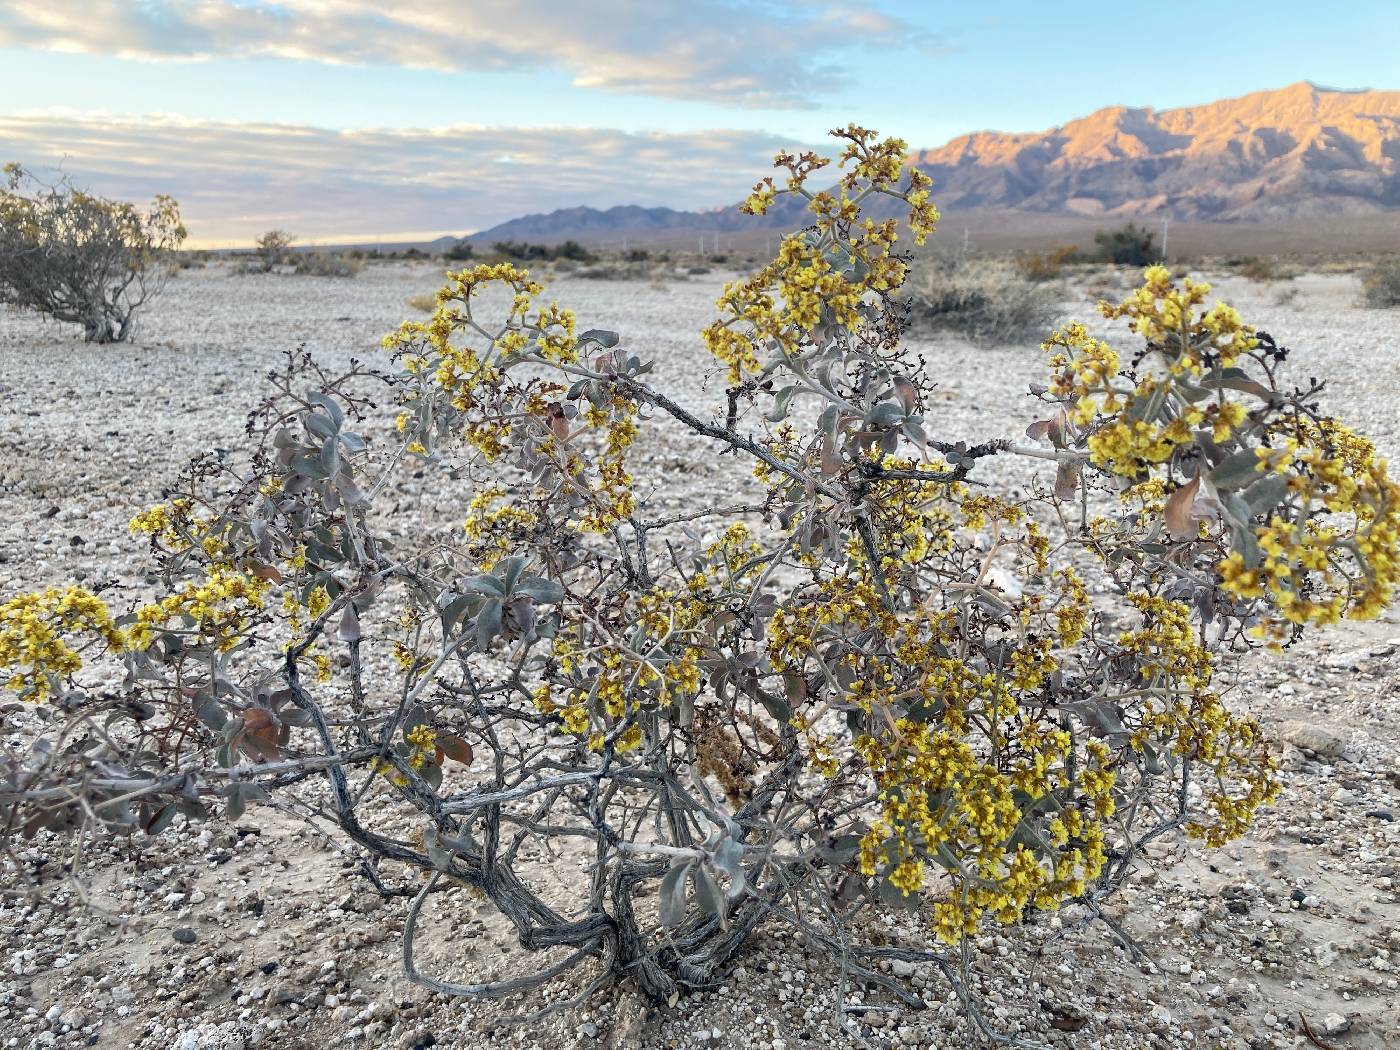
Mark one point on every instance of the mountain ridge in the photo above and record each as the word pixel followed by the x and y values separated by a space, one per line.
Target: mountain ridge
pixel 1288 154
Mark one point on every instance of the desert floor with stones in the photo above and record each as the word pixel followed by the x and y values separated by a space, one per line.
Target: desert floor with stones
pixel 261 934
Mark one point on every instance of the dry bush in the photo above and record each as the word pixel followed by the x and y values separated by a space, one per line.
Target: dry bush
pixel 1257 269
pixel 83 259
pixel 1046 266
pixel 874 685
pixel 327 264
pixel 271 250
pixel 1380 284
pixel 623 269
pixel 988 302
pixel 424 304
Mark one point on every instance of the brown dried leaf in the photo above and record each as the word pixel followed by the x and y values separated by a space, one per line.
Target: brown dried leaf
pixel 264 571
pixel 259 735
pixel 1066 481
pixel 455 748
pixel 1181 523
pixel 905 391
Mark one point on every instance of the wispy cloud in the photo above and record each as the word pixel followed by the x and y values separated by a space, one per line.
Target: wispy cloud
pixel 782 53
pixel 235 180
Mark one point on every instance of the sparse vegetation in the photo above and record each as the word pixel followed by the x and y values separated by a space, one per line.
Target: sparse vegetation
pixel 327 264
pixel 521 251
pixel 1128 245
pixel 1258 269
pixel 272 248
pixel 83 259
pixel 1380 284
pixel 988 302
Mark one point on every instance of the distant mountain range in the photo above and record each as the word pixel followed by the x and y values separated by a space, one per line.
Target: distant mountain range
pixel 1297 153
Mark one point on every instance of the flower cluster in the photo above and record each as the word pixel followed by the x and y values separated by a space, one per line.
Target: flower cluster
pixel 827 277
pixel 1305 510
pixel 1339 555
pixel 36 632
pixel 216 610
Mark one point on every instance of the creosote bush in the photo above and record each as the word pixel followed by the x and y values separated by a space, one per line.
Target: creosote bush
pixel 1128 245
pixel 83 259
pixel 461 251
pixel 522 251
pixel 874 685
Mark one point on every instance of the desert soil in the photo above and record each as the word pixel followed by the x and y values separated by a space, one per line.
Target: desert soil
pixel 226 937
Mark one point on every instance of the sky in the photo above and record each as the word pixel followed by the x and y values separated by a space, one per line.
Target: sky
pixel 359 119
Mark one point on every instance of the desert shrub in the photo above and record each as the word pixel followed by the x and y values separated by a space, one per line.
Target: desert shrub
pixel 1380 284
pixel 1046 266
pixel 636 255
pixel 611 271
pixel 987 302
pixel 874 685
pixel 620 270
pixel 1129 245
pixel 424 304
pixel 460 252
pixel 521 251
pixel 572 250
pixel 1254 268
pixel 271 249
pixel 327 264
pixel 83 259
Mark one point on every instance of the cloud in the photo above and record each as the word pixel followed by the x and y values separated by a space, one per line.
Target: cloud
pixel 780 53
pixel 234 181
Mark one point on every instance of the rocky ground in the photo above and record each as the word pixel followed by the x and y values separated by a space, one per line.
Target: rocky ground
pixel 257 934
